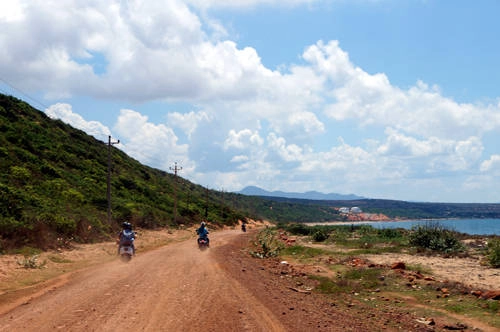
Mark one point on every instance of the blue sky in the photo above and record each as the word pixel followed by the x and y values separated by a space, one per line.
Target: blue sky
pixel 396 99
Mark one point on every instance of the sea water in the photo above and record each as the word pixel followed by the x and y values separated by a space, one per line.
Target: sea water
pixel 468 226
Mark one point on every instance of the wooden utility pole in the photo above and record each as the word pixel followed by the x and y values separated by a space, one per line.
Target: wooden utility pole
pixel 222 204
pixel 175 169
pixel 108 194
pixel 206 204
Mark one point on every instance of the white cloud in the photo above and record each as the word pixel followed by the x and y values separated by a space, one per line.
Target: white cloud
pixel 372 100
pixel 242 139
pixel 155 145
pixel 252 125
pixel 287 152
pixel 65 113
pixel 188 122
pixel 11 11
pixel 243 4
pixel 491 165
pixel 239 159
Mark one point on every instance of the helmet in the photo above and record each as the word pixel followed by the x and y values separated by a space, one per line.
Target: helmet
pixel 126 225
pixel 202 224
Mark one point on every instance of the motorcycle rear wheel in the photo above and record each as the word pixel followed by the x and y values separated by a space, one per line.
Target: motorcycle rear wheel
pixel 125 258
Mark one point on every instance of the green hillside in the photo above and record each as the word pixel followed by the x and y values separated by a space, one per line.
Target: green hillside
pixel 53 184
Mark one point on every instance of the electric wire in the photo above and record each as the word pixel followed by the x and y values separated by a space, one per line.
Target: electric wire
pixel 23 93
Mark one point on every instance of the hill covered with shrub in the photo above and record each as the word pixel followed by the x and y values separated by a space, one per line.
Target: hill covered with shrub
pixel 53 185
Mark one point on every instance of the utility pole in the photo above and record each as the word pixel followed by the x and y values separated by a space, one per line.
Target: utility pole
pixel 109 177
pixel 222 204
pixel 206 204
pixel 175 169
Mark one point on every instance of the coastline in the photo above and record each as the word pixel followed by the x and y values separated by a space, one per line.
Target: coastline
pixel 485 226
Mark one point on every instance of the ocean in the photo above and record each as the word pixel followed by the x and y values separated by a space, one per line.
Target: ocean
pixel 468 226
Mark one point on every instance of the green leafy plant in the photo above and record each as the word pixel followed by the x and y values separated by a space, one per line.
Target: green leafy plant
pixel 493 255
pixel 319 236
pixel 435 237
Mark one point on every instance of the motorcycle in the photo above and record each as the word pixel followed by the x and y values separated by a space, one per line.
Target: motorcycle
pixel 203 243
pixel 243 227
pixel 125 241
pixel 126 252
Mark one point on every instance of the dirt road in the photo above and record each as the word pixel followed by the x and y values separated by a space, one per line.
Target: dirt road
pixel 175 288
pixel 180 288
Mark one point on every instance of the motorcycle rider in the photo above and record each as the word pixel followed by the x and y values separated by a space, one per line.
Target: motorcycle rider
pixel 126 237
pixel 203 232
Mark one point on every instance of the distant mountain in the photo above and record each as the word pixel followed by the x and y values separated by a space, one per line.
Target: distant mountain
pixel 312 195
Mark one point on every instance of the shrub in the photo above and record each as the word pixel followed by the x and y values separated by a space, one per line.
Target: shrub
pixel 494 253
pixel 298 229
pixel 389 233
pixel 269 245
pixel 21 174
pixel 319 236
pixel 435 237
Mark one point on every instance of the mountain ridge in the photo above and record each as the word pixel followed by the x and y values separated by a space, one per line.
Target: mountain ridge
pixel 310 195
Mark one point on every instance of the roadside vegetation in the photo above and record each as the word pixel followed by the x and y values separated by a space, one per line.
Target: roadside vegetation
pixel 354 281
pixel 493 252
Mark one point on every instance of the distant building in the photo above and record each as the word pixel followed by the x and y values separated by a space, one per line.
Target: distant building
pixel 344 210
pixel 356 209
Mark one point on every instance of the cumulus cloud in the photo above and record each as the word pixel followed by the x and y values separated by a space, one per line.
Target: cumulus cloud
pixel 11 11
pixel 152 50
pixel 287 152
pixel 247 124
pixel 242 139
pixel 242 4
pixel 64 112
pixel 155 145
pixel 492 164
pixel 188 122
pixel 371 99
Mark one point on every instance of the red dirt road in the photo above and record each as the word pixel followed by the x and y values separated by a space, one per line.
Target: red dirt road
pixel 175 288
pixel 180 288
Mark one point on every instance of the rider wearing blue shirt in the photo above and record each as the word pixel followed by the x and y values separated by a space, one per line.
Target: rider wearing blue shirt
pixel 126 236
pixel 203 231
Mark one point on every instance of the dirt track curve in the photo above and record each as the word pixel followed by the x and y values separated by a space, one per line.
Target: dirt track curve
pixel 174 288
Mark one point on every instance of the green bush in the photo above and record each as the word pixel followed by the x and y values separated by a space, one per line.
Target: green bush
pixel 389 233
pixel 21 174
pixel 435 237
pixel 494 253
pixel 298 229
pixel 319 236
pixel 268 244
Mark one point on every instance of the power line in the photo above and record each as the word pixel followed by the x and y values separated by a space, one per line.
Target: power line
pixel 23 93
